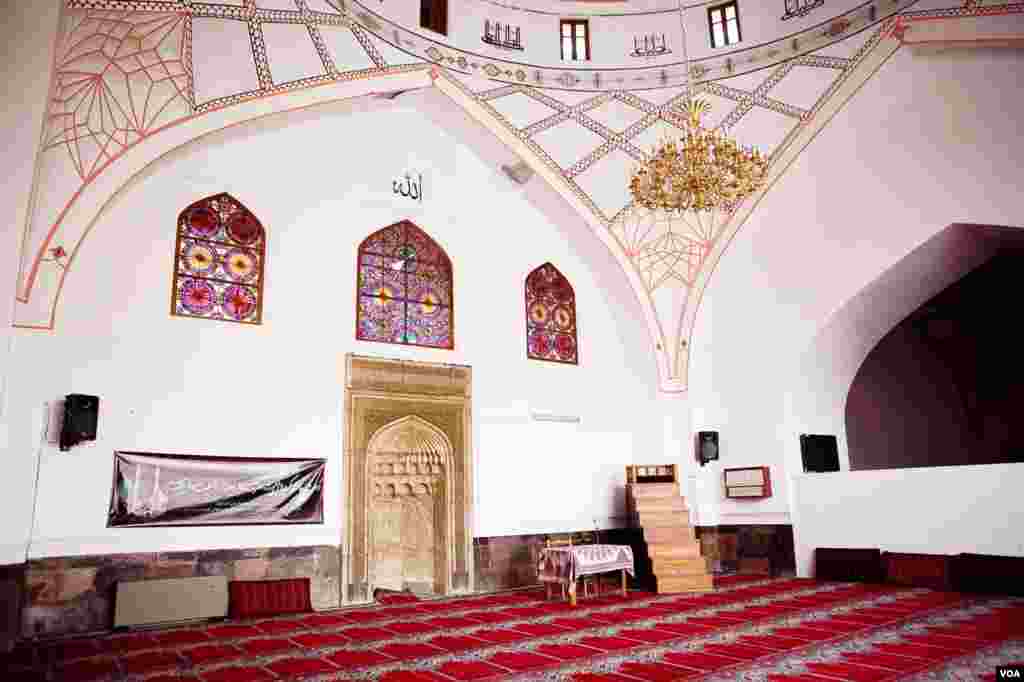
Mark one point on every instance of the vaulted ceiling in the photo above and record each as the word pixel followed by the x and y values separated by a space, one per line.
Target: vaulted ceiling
pixel 134 79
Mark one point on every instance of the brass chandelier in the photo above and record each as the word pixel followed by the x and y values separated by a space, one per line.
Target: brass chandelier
pixel 703 171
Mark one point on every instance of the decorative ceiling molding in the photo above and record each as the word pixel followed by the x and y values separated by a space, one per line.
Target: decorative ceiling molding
pixel 722 65
pixel 585 8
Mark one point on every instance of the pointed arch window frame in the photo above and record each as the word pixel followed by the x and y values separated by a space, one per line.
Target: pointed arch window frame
pixel 380 257
pixel 551 326
pixel 224 261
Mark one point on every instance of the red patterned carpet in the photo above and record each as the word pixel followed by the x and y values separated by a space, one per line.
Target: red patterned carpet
pixel 783 630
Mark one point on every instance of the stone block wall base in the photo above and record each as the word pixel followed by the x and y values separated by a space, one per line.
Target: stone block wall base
pixel 69 595
pixel 12 582
pixel 510 561
pixel 731 548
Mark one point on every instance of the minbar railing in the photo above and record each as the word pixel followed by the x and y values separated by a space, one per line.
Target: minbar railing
pixel 652 473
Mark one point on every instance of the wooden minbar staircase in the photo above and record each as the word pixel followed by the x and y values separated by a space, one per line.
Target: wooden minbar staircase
pixel 672 550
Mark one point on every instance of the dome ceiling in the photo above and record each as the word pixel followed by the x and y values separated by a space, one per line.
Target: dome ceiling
pixel 130 73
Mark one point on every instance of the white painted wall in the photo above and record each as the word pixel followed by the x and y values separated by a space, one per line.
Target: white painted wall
pixel 938 510
pixel 931 140
pixel 321 181
pixel 26 40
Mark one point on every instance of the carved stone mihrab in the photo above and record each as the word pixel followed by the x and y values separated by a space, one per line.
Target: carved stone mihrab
pixel 407 477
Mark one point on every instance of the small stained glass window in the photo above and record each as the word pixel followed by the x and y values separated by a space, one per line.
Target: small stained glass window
pixel 550 316
pixel 404 289
pixel 219 262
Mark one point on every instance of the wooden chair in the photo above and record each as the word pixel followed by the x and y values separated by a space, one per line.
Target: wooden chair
pixel 557 542
pixel 590 582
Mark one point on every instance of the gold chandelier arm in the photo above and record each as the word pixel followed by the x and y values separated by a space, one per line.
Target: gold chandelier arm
pixel 705 170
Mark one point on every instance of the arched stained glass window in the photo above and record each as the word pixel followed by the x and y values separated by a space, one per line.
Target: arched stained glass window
pixel 219 262
pixel 550 316
pixel 405 289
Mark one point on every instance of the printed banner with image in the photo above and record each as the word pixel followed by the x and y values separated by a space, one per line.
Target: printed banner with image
pixel 188 490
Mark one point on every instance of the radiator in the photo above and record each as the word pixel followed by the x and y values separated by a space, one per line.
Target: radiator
pixel 149 602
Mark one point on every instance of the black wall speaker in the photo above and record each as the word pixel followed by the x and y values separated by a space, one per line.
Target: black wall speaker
pixel 819 452
pixel 81 412
pixel 707 446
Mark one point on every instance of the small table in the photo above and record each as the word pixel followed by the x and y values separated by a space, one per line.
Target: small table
pixel 565 565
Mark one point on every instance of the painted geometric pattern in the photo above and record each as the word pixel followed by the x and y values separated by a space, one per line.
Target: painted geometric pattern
pixel 666 251
pixel 405 289
pixel 219 262
pixel 124 72
pixel 120 75
pixel 550 317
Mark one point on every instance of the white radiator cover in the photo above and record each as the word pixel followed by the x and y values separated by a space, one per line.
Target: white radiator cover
pixel 151 602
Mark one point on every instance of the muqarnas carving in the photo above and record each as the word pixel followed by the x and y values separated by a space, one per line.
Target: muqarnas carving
pixel 219 262
pixel 550 317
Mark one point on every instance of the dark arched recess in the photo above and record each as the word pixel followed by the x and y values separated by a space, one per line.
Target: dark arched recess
pixel 946 385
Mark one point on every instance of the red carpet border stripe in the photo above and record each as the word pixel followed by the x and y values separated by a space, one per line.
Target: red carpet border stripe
pixel 594 635
pixel 899 653
pixel 732 649
pixel 980 666
pixel 520 636
pixel 95 658
pixel 601 641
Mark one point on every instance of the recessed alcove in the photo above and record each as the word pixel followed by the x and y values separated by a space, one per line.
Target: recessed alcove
pixel 407 477
pixel 944 386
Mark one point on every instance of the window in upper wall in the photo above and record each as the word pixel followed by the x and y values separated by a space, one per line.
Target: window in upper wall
pixel 219 262
pixel 434 15
pixel 404 289
pixel 550 316
pixel 724 22
pixel 575 40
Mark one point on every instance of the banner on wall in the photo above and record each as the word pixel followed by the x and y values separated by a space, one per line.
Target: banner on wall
pixel 188 490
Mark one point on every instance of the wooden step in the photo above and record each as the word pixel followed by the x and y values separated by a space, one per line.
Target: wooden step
pixel 670 519
pixel 694 583
pixel 659 504
pixel 675 551
pixel 666 568
pixel 660 535
pixel 654 490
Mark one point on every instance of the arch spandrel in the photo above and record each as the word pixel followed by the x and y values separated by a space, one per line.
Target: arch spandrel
pixel 74 187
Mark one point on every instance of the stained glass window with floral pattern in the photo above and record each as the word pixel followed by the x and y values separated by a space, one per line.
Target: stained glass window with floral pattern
pixel 550 316
pixel 218 262
pixel 405 289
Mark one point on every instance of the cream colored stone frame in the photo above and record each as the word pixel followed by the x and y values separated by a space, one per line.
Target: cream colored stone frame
pixel 381 394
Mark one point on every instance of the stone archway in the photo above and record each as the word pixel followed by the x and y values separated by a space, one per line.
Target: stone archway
pixel 409 463
pixel 407 478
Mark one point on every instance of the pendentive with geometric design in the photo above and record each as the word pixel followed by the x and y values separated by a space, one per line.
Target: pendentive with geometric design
pixel 219 262
pixel 404 289
pixel 550 317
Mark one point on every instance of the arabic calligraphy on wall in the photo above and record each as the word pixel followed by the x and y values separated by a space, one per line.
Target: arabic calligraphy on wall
pixel 409 185
pixel 800 8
